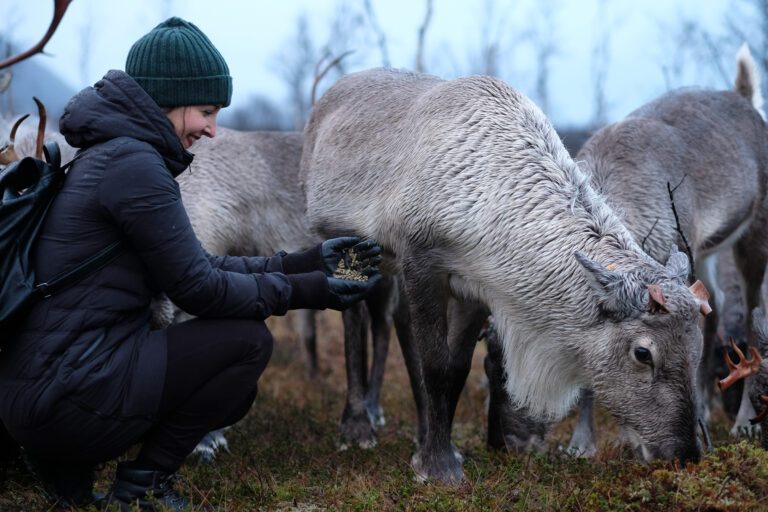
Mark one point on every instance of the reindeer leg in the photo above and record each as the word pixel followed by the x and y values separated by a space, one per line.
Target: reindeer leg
pixel 751 255
pixel 465 320
pixel 583 439
pixel 356 426
pixel 428 297
pixel 404 330
pixel 706 270
pixel 380 305
pixel 304 322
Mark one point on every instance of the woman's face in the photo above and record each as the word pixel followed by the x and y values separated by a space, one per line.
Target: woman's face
pixel 193 122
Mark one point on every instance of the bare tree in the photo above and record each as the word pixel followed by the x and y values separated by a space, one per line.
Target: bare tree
pixel 381 37
pixel 299 58
pixel 685 37
pixel 86 43
pixel 294 65
pixel 258 113
pixel 543 37
pixel 488 61
pixel 419 65
pixel 600 62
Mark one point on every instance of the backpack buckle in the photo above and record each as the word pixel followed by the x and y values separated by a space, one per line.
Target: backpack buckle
pixel 42 288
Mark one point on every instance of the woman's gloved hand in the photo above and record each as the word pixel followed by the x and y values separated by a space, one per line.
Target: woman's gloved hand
pixel 344 293
pixel 333 250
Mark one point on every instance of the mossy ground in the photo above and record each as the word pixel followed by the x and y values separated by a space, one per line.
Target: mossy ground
pixel 284 456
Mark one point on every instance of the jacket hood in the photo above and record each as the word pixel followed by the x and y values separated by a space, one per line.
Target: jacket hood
pixel 117 106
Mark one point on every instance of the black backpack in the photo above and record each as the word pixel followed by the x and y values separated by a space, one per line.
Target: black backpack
pixel 27 189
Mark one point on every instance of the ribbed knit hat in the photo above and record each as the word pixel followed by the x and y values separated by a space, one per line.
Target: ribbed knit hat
pixel 178 65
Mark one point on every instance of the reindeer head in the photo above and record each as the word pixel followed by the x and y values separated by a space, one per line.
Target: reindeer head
pixel 644 370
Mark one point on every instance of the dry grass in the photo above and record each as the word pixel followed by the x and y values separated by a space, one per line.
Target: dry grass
pixel 284 456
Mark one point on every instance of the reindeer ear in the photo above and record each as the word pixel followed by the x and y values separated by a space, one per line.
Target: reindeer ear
pixel 656 300
pixel 677 266
pixel 607 284
pixel 760 328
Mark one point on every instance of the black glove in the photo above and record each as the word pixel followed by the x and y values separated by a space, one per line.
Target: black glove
pixel 343 293
pixel 333 250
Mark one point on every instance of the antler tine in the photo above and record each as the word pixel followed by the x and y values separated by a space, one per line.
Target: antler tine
pixel 40 128
pixel 8 151
pixel 59 8
pixel 15 128
pixel 743 369
pixel 760 417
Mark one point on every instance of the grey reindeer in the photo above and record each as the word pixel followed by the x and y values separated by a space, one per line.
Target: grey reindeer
pixel 710 149
pixel 475 200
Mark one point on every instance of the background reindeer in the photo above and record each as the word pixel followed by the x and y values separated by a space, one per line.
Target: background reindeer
pixel 690 170
pixel 475 200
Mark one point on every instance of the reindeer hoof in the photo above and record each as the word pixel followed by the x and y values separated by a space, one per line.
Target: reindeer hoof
pixel 356 429
pixel 443 468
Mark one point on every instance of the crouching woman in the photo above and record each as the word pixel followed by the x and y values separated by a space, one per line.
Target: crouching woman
pixel 85 378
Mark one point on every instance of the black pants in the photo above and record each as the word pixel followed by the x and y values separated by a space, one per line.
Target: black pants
pixel 210 383
pixel 212 370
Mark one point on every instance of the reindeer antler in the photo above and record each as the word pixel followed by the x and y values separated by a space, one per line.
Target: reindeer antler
pixel 8 151
pixel 59 8
pixel 745 368
pixel 42 117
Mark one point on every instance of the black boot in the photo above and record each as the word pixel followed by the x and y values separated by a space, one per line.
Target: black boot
pixel 146 487
pixel 66 485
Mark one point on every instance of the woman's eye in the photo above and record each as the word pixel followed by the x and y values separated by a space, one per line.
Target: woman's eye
pixel 643 355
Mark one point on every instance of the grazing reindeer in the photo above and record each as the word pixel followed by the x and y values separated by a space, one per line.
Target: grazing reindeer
pixel 690 170
pixel 476 201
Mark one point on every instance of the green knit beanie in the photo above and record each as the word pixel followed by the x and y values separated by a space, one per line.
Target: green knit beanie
pixel 178 65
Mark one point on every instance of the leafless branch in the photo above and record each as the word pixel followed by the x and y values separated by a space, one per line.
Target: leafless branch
pixel 422 35
pixel 688 250
pixel 381 38
pixel 320 74
pixel 59 8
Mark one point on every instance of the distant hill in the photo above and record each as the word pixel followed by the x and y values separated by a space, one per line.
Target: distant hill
pixel 33 78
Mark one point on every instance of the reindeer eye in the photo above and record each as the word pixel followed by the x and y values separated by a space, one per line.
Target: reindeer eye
pixel 643 355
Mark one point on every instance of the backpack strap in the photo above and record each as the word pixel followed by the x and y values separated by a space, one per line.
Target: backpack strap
pixel 96 262
pixel 52 154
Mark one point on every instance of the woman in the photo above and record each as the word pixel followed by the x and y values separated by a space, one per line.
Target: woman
pixel 85 378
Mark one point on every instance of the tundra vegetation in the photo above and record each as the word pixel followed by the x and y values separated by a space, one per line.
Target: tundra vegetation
pixel 284 455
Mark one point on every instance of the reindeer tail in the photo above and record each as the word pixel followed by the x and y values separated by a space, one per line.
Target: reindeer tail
pixel 748 80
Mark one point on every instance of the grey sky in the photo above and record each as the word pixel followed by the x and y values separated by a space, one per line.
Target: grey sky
pixel 253 34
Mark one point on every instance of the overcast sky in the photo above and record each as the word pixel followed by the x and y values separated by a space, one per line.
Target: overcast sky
pixel 253 35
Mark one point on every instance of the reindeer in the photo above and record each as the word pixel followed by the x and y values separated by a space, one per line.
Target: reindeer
pixel 690 170
pixel 477 203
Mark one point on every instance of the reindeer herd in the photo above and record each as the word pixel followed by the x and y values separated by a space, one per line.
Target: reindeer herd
pixel 579 271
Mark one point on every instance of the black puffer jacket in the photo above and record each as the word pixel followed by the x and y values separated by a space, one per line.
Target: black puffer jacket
pixel 91 344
